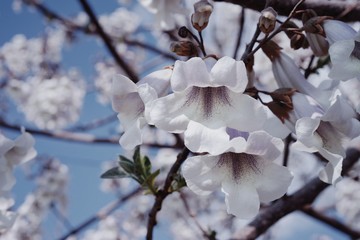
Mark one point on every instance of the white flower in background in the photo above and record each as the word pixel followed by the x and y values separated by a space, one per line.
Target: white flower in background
pixel 345 59
pixel 120 23
pixel 12 153
pixel 25 56
pixel 323 131
pixel 103 80
pixel 347 201
pixel 164 11
pixel 50 103
pixel 204 100
pixel 130 101
pixel 51 187
pixel 246 174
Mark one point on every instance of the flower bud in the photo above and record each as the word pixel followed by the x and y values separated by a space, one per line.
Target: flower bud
pixel 267 20
pixel 298 41
pixel 184 48
pixel 183 32
pixel 200 17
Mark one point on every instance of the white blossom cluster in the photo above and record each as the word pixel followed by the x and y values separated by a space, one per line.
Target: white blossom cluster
pixel 51 189
pixel 207 101
pixel 49 103
pixel 12 153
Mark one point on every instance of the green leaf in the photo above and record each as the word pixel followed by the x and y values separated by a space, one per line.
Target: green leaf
pixel 150 182
pixel 115 172
pixel 126 164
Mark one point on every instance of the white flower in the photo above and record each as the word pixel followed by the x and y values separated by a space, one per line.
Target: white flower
pixel 50 103
pixel 337 30
pixel 347 201
pixel 7 220
pixel 288 75
pixel 129 100
pixel 164 11
pixel 214 100
pixel 12 153
pixel 323 131
pixel 345 59
pixel 114 25
pixel 246 174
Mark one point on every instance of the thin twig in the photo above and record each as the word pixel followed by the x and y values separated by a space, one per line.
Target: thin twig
pixel 288 141
pixel 274 33
pixel 102 213
pixel 345 10
pixel 188 211
pixel 60 216
pixel 164 192
pixel 332 222
pixel 95 123
pixel 241 30
pixel 127 68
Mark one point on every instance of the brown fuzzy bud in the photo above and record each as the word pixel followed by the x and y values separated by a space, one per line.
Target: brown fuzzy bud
pixel 299 41
pixel 282 103
pixel 271 49
pixel 200 18
pixel 267 20
pixel 184 48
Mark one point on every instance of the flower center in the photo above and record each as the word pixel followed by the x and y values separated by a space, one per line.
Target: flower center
pixel 356 52
pixel 209 98
pixel 239 164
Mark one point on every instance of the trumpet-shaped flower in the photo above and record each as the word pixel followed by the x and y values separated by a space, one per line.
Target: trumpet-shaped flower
pixel 323 131
pixel 214 100
pixel 129 100
pixel 246 174
pixel 345 59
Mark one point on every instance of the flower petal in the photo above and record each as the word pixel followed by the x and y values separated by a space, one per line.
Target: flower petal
pixel 190 73
pixel 241 199
pixel 337 30
pixel 132 136
pixel 261 143
pixel 201 174
pixel 332 172
pixel 230 73
pixel 199 138
pixel 273 181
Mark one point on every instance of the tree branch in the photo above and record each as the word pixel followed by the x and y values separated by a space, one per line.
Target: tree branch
pixel 127 68
pixel 79 137
pixel 102 213
pixel 331 222
pixel 306 195
pixel 163 193
pixel 344 11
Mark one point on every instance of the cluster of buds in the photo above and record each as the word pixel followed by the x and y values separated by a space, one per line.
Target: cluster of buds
pixel 315 32
pixel 297 39
pixel 201 15
pixel 267 20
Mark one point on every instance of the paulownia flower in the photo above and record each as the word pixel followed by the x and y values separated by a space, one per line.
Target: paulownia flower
pixel 212 100
pixel 345 59
pixel 129 100
pixel 288 75
pixel 245 173
pixel 323 131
